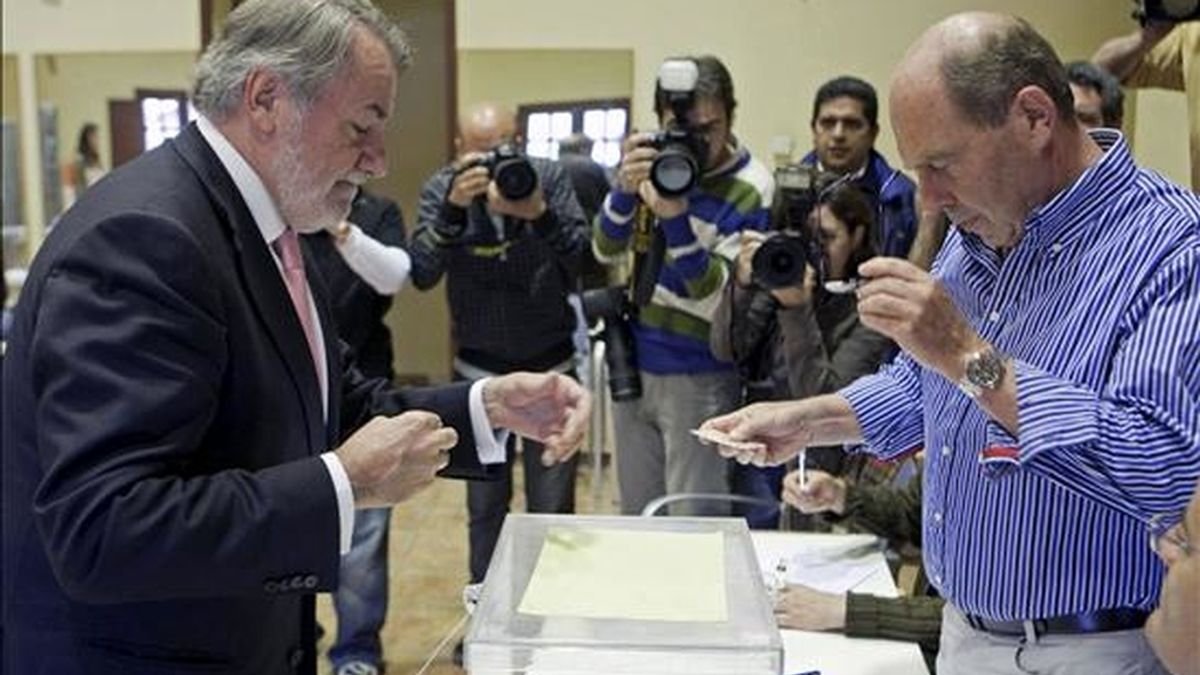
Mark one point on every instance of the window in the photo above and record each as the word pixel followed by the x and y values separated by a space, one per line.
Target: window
pixel 605 122
pixel 164 115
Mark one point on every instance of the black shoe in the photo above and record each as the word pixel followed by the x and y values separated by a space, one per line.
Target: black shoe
pixel 457 656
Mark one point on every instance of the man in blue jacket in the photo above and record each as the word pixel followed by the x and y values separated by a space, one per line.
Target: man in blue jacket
pixel 844 126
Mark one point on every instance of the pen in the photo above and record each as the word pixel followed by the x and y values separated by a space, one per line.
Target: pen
pixel 803 479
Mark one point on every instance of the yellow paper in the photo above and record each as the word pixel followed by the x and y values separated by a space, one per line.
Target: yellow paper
pixel 629 574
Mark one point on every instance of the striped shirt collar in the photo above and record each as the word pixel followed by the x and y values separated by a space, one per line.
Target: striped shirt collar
pixel 1069 212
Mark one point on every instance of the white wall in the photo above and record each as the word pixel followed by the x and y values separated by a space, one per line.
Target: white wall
pixel 1160 132
pixel 780 51
pixel 66 26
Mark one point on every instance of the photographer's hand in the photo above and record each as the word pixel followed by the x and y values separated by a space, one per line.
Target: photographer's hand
pixel 1122 55
pixel 468 183
pixel 662 207
pixel 531 208
pixel 636 158
pixel 751 241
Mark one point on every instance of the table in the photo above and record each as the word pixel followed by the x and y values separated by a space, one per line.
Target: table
pixel 834 653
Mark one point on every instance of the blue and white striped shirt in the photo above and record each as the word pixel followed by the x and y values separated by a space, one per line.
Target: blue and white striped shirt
pixel 1099 305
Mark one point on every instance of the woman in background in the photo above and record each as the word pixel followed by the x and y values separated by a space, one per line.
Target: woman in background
pixel 88 169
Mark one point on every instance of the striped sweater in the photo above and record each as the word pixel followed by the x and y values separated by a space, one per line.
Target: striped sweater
pixel 671 332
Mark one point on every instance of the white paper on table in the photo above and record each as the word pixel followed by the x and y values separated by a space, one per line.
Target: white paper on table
pixel 629 574
pixel 828 572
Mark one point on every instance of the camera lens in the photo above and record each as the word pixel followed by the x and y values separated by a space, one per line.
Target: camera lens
pixel 779 262
pixel 624 382
pixel 674 172
pixel 515 178
pixel 620 355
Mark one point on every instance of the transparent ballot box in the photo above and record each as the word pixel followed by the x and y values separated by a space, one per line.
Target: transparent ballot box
pixel 571 595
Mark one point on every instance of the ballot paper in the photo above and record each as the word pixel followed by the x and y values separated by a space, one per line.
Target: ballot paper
pixel 629 574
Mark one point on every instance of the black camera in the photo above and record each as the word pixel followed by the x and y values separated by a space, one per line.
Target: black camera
pixel 510 170
pixel 1169 11
pixel 781 260
pixel 612 305
pixel 680 157
pixel 681 150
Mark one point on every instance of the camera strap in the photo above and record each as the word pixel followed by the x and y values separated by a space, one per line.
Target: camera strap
pixel 649 249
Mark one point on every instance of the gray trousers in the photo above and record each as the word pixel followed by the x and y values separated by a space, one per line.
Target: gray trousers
pixel 966 651
pixel 656 452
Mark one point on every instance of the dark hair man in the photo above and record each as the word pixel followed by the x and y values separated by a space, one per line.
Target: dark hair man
pixel 1099 101
pixel 844 127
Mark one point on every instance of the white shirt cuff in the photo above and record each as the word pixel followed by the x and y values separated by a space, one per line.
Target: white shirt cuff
pixel 345 500
pixel 489 443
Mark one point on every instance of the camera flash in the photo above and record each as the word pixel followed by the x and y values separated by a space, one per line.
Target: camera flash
pixel 678 75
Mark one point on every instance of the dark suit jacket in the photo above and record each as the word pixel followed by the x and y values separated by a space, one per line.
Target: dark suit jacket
pixel 165 508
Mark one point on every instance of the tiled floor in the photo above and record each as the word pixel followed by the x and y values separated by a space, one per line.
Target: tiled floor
pixel 428 568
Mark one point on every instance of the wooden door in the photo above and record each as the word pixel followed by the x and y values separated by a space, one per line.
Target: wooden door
pixel 125 124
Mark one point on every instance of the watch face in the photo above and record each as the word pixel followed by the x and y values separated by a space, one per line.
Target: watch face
pixel 986 370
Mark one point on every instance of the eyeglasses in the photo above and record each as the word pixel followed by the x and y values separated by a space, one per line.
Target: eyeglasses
pixel 1170 528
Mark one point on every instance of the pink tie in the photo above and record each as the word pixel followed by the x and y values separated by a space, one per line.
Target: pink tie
pixel 297 285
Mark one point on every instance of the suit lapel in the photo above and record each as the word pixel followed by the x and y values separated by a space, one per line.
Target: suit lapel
pixel 261 278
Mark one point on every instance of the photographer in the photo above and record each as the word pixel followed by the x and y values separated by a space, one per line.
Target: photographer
pixel 1162 54
pixel 509 264
pixel 792 338
pixel 696 235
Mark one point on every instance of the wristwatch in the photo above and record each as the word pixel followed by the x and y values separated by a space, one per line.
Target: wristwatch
pixel 985 370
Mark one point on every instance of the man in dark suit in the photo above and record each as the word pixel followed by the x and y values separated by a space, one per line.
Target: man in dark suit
pixel 185 440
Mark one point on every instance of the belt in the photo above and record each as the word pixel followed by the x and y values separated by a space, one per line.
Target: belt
pixel 1099 621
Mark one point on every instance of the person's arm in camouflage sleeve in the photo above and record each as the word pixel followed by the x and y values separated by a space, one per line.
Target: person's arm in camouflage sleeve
pixel 910 619
pixel 887 511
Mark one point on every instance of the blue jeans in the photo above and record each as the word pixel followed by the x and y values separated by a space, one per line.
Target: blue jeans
pixel 765 482
pixel 362 595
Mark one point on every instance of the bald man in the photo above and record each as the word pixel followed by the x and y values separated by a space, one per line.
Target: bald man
pixel 1049 362
pixel 509 265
